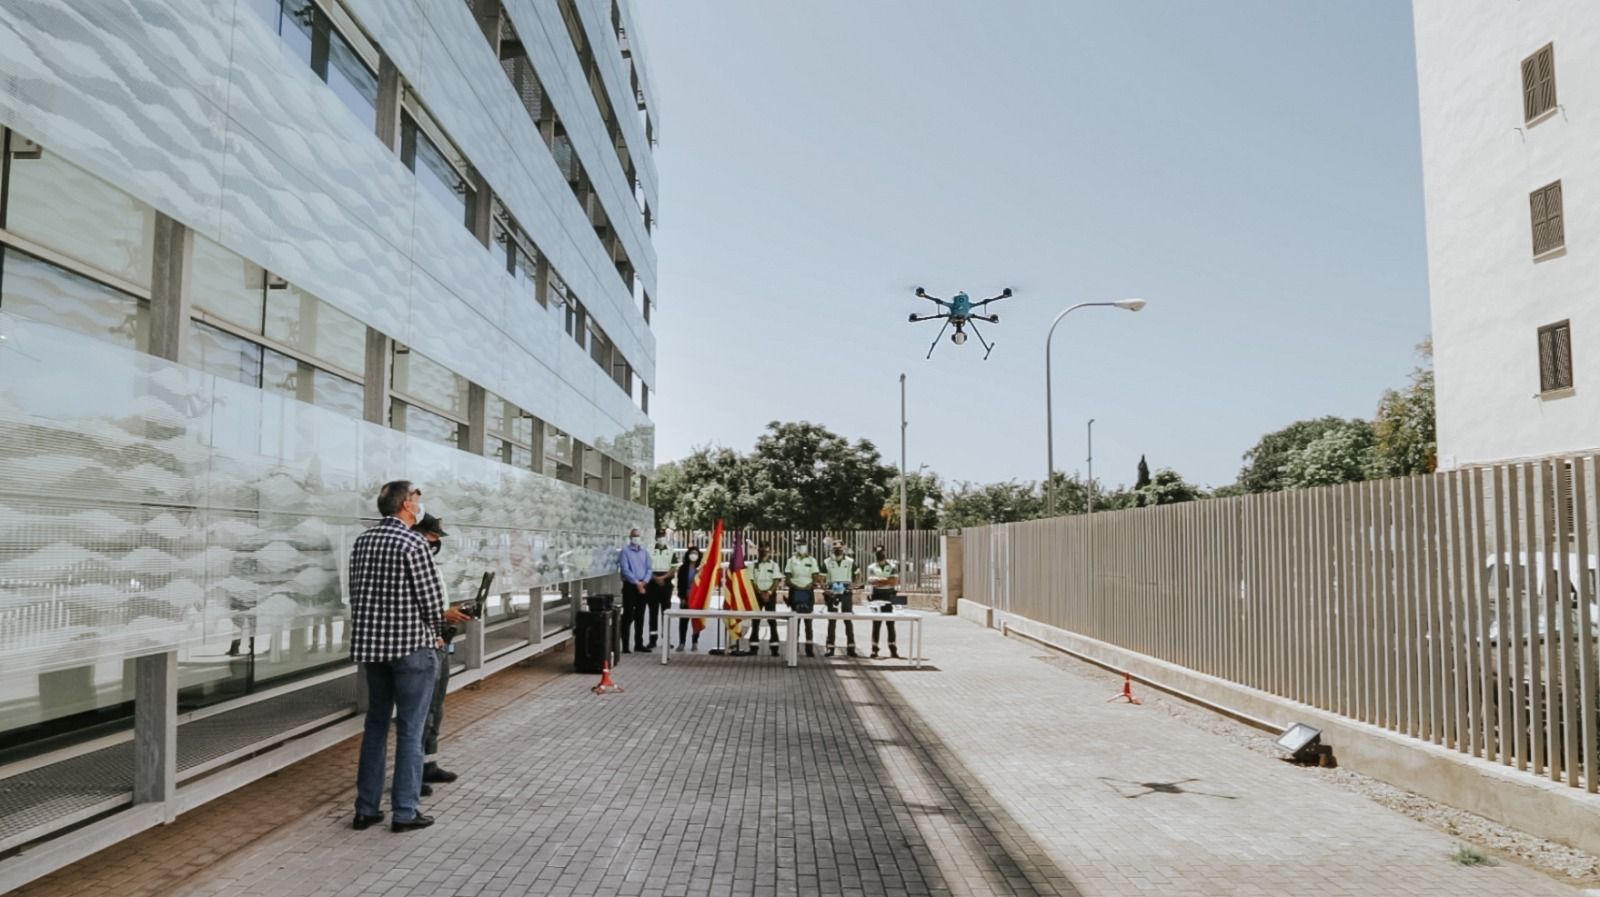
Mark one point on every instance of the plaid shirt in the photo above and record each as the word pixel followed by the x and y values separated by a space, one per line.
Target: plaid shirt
pixel 395 593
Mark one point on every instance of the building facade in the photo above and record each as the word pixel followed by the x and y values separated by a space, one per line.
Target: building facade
pixel 1513 227
pixel 256 259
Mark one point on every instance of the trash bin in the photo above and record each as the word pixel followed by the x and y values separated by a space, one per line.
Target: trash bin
pixel 596 634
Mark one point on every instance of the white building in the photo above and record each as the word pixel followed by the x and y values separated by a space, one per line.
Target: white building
pixel 1510 111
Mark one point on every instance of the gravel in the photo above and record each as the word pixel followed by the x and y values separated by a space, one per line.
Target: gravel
pixel 1557 860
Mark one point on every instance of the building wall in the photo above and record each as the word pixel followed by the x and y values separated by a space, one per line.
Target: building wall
pixel 1480 162
pixel 150 506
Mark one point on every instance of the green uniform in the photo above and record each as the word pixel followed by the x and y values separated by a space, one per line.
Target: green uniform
pixel 840 570
pixel 661 559
pixel 802 572
pixel 885 570
pixel 765 574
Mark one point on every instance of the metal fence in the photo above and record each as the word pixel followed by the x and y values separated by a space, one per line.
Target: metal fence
pixel 1458 607
pixel 922 570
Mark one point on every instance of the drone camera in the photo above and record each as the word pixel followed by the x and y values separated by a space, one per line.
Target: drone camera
pixel 958 337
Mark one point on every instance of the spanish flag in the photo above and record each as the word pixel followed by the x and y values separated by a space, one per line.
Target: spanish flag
pixel 706 580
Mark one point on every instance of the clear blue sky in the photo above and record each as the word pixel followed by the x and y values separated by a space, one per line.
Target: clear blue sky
pixel 1250 168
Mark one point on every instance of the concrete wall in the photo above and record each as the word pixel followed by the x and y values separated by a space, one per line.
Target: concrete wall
pixel 1480 161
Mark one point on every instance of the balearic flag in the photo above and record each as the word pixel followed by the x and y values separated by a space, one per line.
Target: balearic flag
pixel 741 594
pixel 706 580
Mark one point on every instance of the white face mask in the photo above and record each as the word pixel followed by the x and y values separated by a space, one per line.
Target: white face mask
pixel 633 540
pixel 422 510
pixel 802 550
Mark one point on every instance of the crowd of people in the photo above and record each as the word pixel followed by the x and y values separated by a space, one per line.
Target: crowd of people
pixel 648 576
pixel 402 624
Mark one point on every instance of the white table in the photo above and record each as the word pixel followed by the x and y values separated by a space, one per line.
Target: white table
pixel 791 642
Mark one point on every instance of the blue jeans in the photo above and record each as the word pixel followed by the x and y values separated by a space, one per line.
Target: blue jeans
pixel 401 688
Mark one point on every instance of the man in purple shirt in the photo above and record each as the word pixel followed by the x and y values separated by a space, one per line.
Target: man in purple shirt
pixel 635 564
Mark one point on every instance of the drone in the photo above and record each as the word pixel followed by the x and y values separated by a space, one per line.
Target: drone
pixel 961 311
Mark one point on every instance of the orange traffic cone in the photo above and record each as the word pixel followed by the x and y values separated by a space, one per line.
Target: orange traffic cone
pixel 1127 691
pixel 606 685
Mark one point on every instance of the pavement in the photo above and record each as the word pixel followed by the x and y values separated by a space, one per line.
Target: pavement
pixel 990 771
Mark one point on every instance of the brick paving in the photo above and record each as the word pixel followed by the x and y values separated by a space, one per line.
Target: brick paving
pixel 990 773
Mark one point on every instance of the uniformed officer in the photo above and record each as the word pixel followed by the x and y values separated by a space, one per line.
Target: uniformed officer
pixel 882 576
pixel 658 594
pixel 802 575
pixel 841 573
pixel 765 574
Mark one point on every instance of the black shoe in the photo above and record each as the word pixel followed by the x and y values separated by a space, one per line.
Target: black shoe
pixel 365 822
pixel 874 652
pixel 415 822
pixel 625 650
pixel 894 652
pixel 774 647
pixel 828 652
pixel 427 791
pixel 851 651
pixel 811 651
pixel 651 646
pixel 433 772
pixel 640 648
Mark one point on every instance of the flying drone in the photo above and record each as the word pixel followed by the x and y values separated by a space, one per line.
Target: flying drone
pixel 960 311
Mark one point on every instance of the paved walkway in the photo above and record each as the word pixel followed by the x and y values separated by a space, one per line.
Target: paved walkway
pixel 990 773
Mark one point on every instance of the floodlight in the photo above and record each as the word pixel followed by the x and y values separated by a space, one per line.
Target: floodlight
pixel 1305 747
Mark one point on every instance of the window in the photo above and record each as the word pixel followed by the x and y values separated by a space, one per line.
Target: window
pixel 440 172
pixel 225 356
pixel 422 423
pixel 425 381
pixel 228 287
pixel 510 432
pixel 1539 83
pixel 1549 234
pixel 557 454
pixel 39 291
pixel 63 208
pixel 300 321
pixel 522 257
pixel 333 47
pixel 1555 357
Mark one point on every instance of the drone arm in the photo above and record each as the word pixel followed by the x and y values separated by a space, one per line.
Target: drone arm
pixel 933 317
pixel 934 299
pixel 1004 295
pixel 992 319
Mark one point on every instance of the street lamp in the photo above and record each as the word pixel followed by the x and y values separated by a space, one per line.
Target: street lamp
pixel 1049 419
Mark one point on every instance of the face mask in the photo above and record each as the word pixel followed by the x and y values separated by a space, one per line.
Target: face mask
pixel 422 510
pixel 802 550
pixel 435 546
pixel 633 540
pixel 694 559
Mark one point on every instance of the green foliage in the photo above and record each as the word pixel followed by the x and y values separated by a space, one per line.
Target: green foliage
pixel 1166 487
pixel 972 504
pixel 1265 464
pixel 924 500
pixel 1468 855
pixel 1342 454
pixel 803 476
pixel 1404 442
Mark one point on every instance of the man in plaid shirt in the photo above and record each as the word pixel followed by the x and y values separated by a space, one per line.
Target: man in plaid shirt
pixel 395 603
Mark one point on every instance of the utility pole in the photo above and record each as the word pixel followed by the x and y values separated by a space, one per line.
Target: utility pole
pixel 1090 484
pixel 902 570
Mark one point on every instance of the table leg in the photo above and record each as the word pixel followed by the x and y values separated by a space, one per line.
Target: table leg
pixel 666 624
pixel 792 642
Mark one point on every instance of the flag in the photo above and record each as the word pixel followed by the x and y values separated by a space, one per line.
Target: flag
pixel 706 580
pixel 741 591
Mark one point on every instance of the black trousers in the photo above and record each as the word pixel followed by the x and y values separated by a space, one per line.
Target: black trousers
pixel 657 598
pixel 633 601
pixel 769 602
pixel 841 602
pixel 886 596
pixel 804 601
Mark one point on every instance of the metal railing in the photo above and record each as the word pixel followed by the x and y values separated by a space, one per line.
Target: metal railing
pixel 923 570
pixel 1458 607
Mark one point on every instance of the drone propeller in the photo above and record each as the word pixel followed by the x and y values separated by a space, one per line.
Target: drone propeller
pixel 1004 294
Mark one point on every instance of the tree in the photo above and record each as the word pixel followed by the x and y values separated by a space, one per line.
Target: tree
pixel 972 504
pixel 1264 465
pixel 709 484
pixel 1342 454
pixel 802 476
pixel 1143 478
pixel 1166 487
pixel 1403 433
pixel 924 497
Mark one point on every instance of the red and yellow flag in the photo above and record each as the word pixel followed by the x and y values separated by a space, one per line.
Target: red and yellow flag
pixel 706 580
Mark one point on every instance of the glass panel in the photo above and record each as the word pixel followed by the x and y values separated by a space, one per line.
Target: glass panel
pixel 302 321
pixel 285 376
pixel 439 177
pixel 418 376
pixel 39 290
pixel 335 393
pixel 59 701
pixel 497 448
pixel 269 11
pixel 299 17
pixel 521 457
pixel 522 428
pixel 224 355
pixel 425 424
pixel 351 80
pixel 228 286
pixel 495 413
pixel 63 207
pixel 526 272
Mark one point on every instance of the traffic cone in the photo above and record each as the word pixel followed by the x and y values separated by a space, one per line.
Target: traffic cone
pixel 606 685
pixel 1127 691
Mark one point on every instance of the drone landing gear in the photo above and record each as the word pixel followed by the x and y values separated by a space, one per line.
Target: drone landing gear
pixel 987 346
pixel 935 343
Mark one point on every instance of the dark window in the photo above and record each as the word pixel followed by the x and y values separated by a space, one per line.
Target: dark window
pixel 1539 83
pixel 313 37
pixel 440 178
pixel 1549 233
pixel 1555 357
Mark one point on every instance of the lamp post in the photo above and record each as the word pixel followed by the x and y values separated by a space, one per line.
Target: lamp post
pixel 1089 486
pixel 1049 419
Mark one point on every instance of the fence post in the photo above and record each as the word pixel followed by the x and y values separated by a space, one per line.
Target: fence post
pixel 950 563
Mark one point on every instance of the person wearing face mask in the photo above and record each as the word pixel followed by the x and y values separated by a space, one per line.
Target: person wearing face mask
pixel 635 564
pixel 883 577
pixel 765 574
pixel 452 619
pixel 802 575
pixel 841 574
pixel 658 596
pixel 687 571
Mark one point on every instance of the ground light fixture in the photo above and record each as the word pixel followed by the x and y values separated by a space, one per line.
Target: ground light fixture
pixel 1304 746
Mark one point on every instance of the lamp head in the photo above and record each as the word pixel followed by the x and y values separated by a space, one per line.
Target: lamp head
pixel 1129 304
